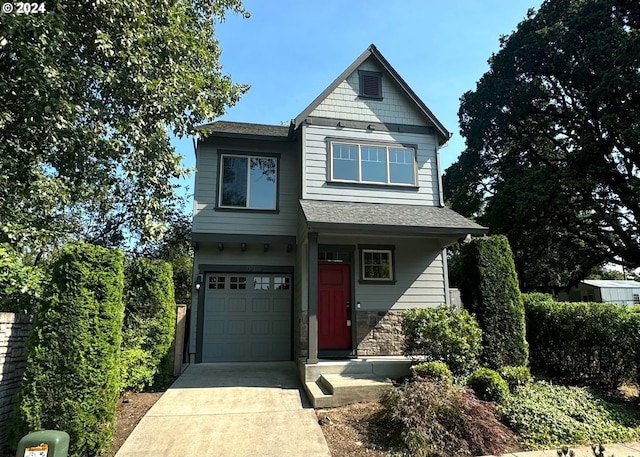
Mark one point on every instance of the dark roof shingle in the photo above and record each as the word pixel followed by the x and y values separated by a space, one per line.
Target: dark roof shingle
pixel 411 218
pixel 228 128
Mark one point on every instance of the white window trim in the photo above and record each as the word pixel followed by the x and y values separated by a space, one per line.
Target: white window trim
pixel 248 204
pixel 389 252
pixel 387 147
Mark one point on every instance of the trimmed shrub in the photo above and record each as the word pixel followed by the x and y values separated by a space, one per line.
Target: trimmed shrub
pixel 435 420
pixel 71 381
pixel 19 284
pixel 433 371
pixel 489 289
pixel 442 334
pixel 488 385
pixel 515 376
pixel 149 324
pixel 588 343
pixel 536 297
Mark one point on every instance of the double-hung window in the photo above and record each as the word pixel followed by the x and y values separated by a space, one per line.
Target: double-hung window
pixel 248 182
pixel 377 264
pixel 374 164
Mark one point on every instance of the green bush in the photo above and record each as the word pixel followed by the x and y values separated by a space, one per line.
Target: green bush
pixel 20 284
pixel 71 379
pixel 488 385
pixel 515 376
pixel 489 290
pixel 435 420
pixel 442 334
pixel 545 416
pixel 433 371
pixel 149 324
pixel 592 343
pixel 535 297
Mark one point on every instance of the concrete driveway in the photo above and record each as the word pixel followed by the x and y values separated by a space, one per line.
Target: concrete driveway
pixel 230 410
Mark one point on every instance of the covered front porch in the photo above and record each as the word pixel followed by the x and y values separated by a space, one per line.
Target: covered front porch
pixel 361 265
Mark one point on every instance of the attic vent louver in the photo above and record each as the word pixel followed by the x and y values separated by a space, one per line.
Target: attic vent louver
pixel 370 84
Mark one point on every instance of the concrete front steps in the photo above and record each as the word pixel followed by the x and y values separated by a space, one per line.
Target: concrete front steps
pixel 332 383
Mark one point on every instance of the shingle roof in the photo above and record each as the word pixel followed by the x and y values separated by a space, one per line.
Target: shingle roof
pixel 227 128
pixel 380 216
pixel 612 283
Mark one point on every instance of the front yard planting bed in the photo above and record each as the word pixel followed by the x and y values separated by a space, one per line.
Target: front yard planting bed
pixel 540 415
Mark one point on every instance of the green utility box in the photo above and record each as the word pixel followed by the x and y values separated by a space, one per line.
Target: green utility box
pixel 45 443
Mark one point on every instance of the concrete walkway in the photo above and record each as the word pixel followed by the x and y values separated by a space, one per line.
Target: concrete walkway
pixel 617 450
pixel 231 410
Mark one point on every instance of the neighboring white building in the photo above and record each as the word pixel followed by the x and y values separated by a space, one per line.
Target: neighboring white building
pixel 605 291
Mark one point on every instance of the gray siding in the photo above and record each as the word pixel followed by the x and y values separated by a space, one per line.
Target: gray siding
pixel 207 220
pixel 254 255
pixel 419 273
pixel 316 158
pixel 345 103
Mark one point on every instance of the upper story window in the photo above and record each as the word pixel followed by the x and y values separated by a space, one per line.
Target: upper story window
pixel 376 164
pixel 248 182
pixel 370 84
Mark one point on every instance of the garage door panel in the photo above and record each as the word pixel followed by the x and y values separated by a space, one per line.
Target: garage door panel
pixel 281 305
pixel 247 323
pixel 237 305
pixel 219 305
pixel 260 327
pixel 281 328
pixel 214 328
pixel 261 305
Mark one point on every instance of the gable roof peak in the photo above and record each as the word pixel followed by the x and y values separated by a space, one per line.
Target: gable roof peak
pixel 372 51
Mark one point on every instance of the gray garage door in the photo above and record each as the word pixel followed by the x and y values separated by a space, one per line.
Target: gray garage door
pixel 247 317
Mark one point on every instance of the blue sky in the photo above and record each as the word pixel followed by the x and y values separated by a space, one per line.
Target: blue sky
pixel 291 50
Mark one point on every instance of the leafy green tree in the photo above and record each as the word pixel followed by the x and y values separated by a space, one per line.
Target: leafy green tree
pixel 605 273
pixel 553 141
pixel 20 284
pixel 91 92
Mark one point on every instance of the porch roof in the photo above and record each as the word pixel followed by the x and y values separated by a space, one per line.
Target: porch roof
pixel 382 217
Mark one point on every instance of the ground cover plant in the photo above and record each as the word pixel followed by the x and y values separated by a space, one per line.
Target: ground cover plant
pixel 546 416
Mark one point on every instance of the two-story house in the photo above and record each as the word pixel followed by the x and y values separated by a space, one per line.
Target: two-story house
pixel 311 239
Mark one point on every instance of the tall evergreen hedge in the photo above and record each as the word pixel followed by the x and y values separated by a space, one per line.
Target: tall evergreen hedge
pixel 71 382
pixel 586 343
pixel 489 289
pixel 149 323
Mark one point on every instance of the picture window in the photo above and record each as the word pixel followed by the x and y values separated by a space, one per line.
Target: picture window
pixel 248 182
pixel 375 164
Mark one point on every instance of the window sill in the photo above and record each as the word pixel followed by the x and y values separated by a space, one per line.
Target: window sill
pixel 377 282
pixel 249 210
pixel 368 97
pixel 372 185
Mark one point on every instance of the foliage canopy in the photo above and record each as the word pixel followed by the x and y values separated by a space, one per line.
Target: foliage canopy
pixel 91 93
pixel 553 141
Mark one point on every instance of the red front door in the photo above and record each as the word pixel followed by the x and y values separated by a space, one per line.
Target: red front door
pixel 334 295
